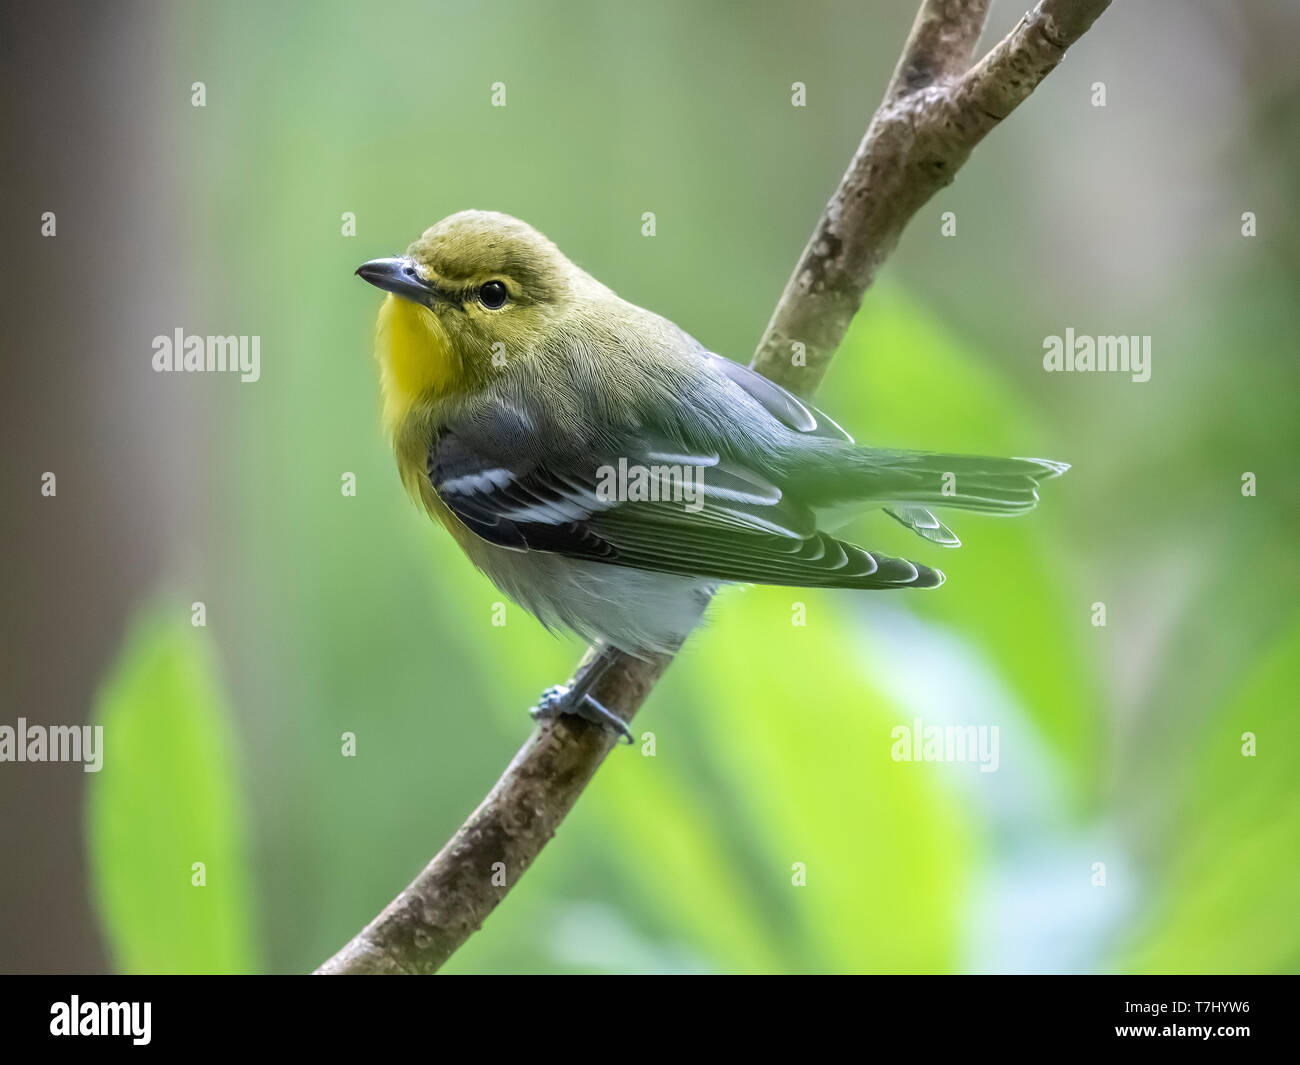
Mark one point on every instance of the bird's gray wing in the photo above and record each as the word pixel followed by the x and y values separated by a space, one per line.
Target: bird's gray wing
pixel 726 522
pixel 783 405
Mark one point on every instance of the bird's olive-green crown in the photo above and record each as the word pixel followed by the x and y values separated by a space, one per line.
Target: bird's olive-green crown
pixel 498 288
pixel 470 248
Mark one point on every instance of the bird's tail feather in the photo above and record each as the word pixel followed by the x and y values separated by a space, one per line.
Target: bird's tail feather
pixel 924 524
pixel 968 482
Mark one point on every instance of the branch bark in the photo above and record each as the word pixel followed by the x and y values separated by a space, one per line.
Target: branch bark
pixel 936 109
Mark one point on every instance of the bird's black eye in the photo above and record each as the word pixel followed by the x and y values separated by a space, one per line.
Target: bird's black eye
pixel 493 295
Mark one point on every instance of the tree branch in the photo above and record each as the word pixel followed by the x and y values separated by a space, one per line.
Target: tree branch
pixel 936 109
pixel 934 113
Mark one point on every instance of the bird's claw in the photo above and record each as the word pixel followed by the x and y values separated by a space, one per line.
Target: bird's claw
pixel 564 699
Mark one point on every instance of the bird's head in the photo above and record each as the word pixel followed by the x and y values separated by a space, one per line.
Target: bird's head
pixel 471 297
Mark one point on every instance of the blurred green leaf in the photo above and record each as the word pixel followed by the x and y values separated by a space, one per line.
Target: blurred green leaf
pixel 788 762
pixel 901 380
pixel 886 848
pixel 1227 901
pixel 675 852
pixel 167 797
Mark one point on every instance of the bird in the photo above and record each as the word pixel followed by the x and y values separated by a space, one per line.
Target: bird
pixel 608 472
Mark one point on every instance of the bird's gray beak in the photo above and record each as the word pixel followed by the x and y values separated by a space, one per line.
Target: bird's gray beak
pixel 399 277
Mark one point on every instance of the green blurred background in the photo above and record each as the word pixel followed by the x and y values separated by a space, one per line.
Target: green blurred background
pixel 329 614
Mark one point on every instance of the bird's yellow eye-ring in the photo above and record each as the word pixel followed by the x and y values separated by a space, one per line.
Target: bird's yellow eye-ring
pixel 493 295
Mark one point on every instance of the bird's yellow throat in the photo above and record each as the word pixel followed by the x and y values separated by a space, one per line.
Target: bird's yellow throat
pixel 415 358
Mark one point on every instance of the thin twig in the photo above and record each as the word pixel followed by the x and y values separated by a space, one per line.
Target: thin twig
pixel 936 109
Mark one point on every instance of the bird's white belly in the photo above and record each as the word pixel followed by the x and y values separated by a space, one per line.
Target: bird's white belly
pixel 634 610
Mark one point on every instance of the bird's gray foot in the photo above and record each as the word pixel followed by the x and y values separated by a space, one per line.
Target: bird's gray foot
pixel 571 699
